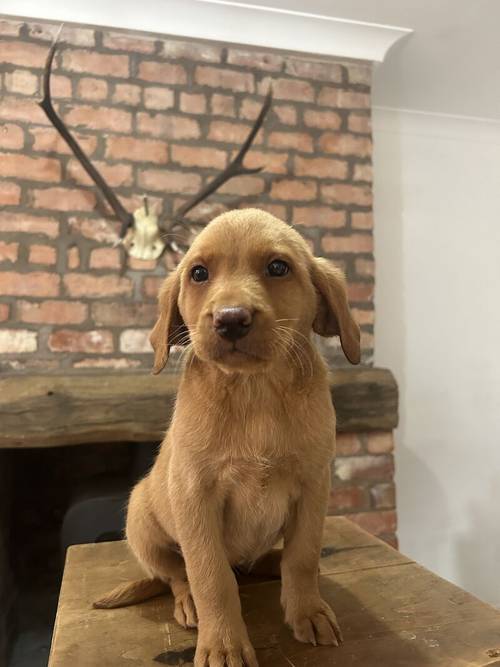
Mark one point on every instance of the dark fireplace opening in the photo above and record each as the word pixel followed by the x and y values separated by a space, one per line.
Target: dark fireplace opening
pixel 60 496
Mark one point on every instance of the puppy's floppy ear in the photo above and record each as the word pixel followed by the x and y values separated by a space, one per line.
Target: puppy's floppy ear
pixel 333 316
pixel 169 328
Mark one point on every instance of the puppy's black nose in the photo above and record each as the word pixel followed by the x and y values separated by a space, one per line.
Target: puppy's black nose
pixel 232 323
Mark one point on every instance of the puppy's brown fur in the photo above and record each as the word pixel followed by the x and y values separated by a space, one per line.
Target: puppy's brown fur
pixel 246 460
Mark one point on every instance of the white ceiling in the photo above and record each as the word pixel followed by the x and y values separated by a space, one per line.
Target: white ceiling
pixel 450 65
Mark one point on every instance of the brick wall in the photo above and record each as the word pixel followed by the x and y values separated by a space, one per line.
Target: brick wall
pixel 161 117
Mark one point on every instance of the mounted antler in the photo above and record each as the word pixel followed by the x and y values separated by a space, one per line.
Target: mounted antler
pixel 140 231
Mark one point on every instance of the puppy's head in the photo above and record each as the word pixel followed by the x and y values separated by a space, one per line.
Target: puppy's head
pixel 249 292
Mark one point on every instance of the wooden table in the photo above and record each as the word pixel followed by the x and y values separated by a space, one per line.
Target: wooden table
pixel 393 613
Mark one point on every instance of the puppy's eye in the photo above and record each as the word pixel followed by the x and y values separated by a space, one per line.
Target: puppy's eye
pixel 277 268
pixel 199 274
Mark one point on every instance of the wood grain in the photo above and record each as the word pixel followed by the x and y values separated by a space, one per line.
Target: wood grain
pixel 393 613
pixel 48 410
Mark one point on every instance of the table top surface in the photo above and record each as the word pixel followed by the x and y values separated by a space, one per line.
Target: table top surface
pixel 393 612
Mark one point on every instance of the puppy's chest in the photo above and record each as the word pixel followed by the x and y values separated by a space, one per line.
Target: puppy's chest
pixel 258 497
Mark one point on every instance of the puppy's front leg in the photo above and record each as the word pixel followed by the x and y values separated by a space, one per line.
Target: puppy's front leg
pixel 222 634
pixel 310 617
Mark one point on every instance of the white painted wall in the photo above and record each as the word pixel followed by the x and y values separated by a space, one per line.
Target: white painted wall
pixel 437 245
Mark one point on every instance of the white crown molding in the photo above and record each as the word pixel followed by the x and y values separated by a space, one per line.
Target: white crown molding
pixel 223 21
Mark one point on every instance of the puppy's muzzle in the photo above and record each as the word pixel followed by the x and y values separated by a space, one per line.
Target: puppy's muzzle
pixel 232 323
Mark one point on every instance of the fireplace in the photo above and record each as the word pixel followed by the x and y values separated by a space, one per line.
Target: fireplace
pixel 160 116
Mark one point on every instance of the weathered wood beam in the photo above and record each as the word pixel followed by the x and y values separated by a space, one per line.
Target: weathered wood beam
pixel 49 410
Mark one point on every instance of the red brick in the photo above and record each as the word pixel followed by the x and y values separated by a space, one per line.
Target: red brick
pixel 98 229
pixel 105 258
pixel 376 523
pixel 42 254
pixel 343 99
pixel 168 126
pixel 354 243
pixel 137 264
pixel 310 69
pixel 383 496
pixel 4 307
pixel 320 167
pixel 89 286
pixel 158 98
pixel 222 105
pixel 21 166
pixel 363 172
pixel 292 140
pixel 224 78
pixel 17 341
pixel 9 28
pixel 22 110
pixel 47 139
pixel 10 193
pixel 360 74
pixel 8 251
pixel 360 291
pixel 347 498
pixel 273 163
pixel 319 216
pixel 198 156
pixel 362 220
pixel 120 42
pixel 124 314
pixel 73 258
pixel 243 186
pixel 288 89
pixel 193 103
pixel 72 35
pixel 191 51
pixel 286 114
pixel 270 62
pixel 99 118
pixel 294 190
pixel 363 316
pixel 91 62
pixel 322 119
pixel 164 73
pixel 365 267
pixel 21 81
pixel 92 89
pixel 11 136
pixel 97 341
pixel 364 467
pixel 62 199
pixel 126 93
pixel 359 123
pixel 348 444
pixel 367 340
pixel 380 442
pixel 151 286
pixel 115 175
pixel 232 133
pixel 136 150
pixel 28 224
pixel 169 181
pixel 35 283
pixel 103 362
pixel 135 341
pixel 347 194
pixel 22 54
pixel 60 86
pixel 345 144
pixel 51 312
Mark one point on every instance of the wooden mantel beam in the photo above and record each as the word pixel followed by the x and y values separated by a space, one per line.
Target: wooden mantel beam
pixel 49 410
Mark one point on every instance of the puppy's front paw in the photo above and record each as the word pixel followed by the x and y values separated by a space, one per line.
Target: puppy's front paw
pixel 224 647
pixel 313 621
